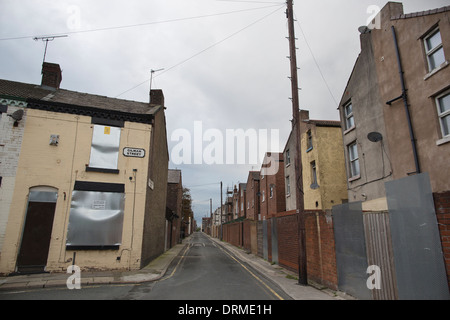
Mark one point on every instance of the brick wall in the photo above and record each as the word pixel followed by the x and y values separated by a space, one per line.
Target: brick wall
pixel 232 233
pixel 320 250
pixel 442 208
pixel 10 146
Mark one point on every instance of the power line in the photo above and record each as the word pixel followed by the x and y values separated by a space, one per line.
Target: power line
pixel 251 1
pixel 202 51
pixel 315 61
pixel 139 24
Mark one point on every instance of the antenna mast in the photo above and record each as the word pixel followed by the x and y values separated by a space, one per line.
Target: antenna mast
pixel 151 76
pixel 47 39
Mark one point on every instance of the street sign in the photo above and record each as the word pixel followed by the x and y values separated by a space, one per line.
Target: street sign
pixel 134 152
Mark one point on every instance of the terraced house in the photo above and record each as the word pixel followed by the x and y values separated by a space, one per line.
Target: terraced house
pixel 85 178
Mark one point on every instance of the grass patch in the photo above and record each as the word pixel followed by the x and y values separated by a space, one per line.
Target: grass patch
pixel 288 276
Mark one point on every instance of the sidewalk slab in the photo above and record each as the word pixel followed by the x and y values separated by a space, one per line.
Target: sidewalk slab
pixel 154 271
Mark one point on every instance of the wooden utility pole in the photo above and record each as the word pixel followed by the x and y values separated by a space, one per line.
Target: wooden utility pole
pixel 221 211
pixel 302 274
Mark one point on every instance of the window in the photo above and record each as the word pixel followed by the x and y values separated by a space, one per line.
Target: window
pixel 96 215
pixel 443 105
pixel 3 109
pixel 271 190
pixel 288 158
pixel 104 148
pixel 434 50
pixel 288 186
pixel 354 160
pixel 314 184
pixel 309 141
pixel 263 197
pixel 349 119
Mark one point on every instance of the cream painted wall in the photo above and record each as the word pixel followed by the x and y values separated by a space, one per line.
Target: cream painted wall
pixel 41 164
pixel 328 154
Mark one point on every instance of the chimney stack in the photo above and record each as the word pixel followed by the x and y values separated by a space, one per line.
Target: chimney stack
pixel 157 97
pixel 51 75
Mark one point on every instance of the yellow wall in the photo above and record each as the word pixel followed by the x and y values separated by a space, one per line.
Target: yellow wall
pixel 41 164
pixel 330 166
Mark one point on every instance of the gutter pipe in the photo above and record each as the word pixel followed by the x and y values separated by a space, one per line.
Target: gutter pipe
pixel 404 96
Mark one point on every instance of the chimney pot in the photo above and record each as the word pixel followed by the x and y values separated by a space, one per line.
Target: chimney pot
pixel 51 75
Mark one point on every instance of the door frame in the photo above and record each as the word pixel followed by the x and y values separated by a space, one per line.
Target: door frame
pixel 40 194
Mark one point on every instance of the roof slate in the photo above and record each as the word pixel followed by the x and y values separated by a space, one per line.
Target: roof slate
pixel 25 91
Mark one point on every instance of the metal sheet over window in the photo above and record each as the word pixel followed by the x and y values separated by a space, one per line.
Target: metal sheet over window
pixel 96 219
pixel 105 147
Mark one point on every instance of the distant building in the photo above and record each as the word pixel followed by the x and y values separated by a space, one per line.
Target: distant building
pixel 174 207
pixel 85 177
pixel 272 189
pixel 252 195
pixel 323 164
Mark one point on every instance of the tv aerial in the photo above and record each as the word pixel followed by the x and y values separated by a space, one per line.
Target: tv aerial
pixel 151 76
pixel 47 39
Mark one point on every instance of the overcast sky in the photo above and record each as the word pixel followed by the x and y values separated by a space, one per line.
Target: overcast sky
pixel 224 62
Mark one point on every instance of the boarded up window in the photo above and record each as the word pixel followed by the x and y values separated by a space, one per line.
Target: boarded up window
pixel 105 147
pixel 96 215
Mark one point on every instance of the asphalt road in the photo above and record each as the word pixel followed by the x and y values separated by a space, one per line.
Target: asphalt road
pixel 202 271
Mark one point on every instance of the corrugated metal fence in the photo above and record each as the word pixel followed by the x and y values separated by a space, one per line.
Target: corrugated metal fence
pixel 379 253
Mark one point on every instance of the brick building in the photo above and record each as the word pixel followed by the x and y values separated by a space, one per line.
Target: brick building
pixel 273 199
pixel 174 207
pixel 253 195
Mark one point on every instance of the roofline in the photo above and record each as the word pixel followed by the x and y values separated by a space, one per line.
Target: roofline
pixel 421 13
pixel 88 111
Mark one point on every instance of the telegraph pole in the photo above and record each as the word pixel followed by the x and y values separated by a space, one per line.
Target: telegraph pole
pixel 302 273
pixel 221 212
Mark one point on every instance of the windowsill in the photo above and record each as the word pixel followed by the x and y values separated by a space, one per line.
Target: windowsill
pixel 443 141
pixel 102 170
pixel 349 130
pixel 354 178
pixel 433 72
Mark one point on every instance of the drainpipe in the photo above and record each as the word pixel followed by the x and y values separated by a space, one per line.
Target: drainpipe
pixel 405 102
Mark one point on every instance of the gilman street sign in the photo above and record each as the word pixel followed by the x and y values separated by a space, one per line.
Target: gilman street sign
pixel 134 152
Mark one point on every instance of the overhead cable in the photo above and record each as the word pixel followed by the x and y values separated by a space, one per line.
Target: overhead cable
pixel 202 51
pixel 140 24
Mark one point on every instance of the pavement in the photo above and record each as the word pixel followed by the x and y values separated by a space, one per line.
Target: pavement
pixel 156 269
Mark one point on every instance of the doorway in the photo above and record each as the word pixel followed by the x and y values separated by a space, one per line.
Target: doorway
pixel 37 230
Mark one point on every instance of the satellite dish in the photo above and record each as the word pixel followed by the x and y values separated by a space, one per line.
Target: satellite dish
pixel 363 29
pixel 375 136
pixel 17 115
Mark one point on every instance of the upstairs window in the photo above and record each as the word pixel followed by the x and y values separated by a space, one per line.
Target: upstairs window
pixel 443 105
pixel 434 50
pixel 349 119
pixel 104 149
pixel 288 157
pixel 288 186
pixel 314 184
pixel 353 160
pixel 309 141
